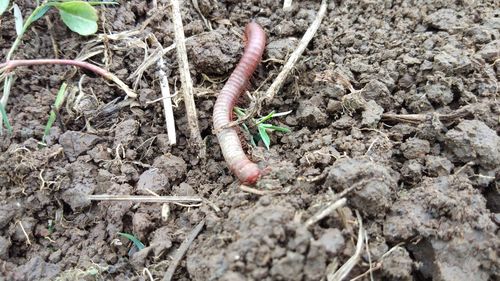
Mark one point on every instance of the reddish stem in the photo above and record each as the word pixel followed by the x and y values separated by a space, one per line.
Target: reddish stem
pixel 12 64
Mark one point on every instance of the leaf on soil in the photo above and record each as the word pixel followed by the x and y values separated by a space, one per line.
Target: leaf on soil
pixel 137 243
pixel 79 16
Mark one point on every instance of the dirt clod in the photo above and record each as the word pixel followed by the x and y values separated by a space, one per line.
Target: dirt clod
pixel 372 181
pixel 398 265
pixel 445 19
pixel 76 143
pixel 472 140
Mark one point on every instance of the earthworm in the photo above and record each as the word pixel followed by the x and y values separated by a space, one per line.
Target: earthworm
pixel 255 42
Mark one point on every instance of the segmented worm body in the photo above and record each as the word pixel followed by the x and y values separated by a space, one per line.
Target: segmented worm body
pixel 255 42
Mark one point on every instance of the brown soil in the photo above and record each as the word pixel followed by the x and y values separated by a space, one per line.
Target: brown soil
pixel 426 189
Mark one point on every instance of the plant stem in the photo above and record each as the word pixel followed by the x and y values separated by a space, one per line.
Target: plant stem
pixel 12 64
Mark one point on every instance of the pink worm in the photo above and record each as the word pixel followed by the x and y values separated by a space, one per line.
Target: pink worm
pixel 255 42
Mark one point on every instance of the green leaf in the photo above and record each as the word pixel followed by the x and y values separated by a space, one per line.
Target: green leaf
pixel 18 19
pixel 79 16
pixel 240 112
pixel 5 119
pixel 57 105
pixel 4 4
pixel 265 118
pixel 264 136
pixel 276 128
pixel 38 13
pixel 138 244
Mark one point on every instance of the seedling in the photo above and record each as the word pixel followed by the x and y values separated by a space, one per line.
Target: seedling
pixel 137 243
pixel 61 94
pixel 263 128
pixel 80 16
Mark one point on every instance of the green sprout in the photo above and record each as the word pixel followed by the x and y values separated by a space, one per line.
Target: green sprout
pixel 79 16
pixel 263 128
pixel 137 243
pixel 61 94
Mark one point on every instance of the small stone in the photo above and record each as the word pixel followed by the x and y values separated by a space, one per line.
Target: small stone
pixel 344 122
pixel 409 60
pixel 412 170
pixel 153 180
pixel 77 196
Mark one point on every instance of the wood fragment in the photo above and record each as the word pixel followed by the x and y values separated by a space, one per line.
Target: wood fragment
pixel 182 251
pixel 419 118
pixel 344 270
pixel 326 211
pixel 167 98
pixel 146 199
pixel 187 83
pixel 290 64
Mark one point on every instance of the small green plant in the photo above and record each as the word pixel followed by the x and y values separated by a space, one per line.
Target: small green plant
pixel 80 16
pixel 61 94
pixel 137 243
pixel 263 128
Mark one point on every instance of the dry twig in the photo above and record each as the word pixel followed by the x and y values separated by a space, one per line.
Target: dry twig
pixel 182 251
pixel 344 270
pixel 167 98
pixel 325 211
pixel 287 68
pixel 419 118
pixel 187 83
pixel 12 64
pixel 148 199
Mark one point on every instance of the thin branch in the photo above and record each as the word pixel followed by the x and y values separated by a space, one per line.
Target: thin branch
pixel 167 98
pixel 187 83
pixel 419 118
pixel 344 270
pixel 287 68
pixel 147 199
pixel 12 64
pixel 182 251
pixel 325 211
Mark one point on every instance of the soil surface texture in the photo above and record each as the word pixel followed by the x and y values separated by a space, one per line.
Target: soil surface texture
pixel 394 107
